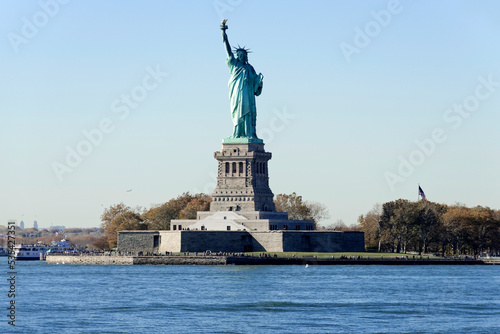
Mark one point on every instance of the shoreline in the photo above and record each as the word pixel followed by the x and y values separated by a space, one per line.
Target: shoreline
pixel 245 260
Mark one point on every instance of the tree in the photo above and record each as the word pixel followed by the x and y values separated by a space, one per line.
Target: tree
pixel 428 223
pixel 83 241
pixel 301 210
pixel 495 235
pixel 369 224
pixel 318 211
pixel 398 222
pixel 201 202
pixel 101 243
pixel 159 216
pixel 405 222
pixel 424 226
pixel 483 226
pixel 293 204
pixel 112 212
pixel 470 230
pixel 340 225
pixel 120 217
pixel 455 222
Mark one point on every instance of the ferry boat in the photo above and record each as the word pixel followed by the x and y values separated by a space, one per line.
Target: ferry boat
pixel 32 252
pixel 4 251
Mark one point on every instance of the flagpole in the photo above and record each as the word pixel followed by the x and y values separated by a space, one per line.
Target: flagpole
pixel 418 193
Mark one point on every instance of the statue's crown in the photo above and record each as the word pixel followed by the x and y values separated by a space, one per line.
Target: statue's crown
pixel 243 49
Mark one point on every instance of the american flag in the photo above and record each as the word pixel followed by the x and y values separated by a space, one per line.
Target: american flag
pixel 421 193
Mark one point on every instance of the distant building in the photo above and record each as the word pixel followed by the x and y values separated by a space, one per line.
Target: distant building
pixel 21 225
pixel 35 224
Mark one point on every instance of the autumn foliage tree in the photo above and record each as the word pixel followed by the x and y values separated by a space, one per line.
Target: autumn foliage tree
pixel 101 243
pixel 299 209
pixel 426 226
pixel 120 217
pixel 184 206
pixel 201 202
pixel 369 224
pixel 159 216
pixel 471 230
pixel 339 226
pixel 83 241
pixel 294 205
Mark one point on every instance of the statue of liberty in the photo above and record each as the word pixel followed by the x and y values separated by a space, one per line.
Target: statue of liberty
pixel 244 85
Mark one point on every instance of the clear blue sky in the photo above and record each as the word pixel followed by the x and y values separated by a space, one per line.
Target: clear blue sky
pixel 350 87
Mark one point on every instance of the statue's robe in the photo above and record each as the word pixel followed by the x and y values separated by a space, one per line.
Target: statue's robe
pixel 244 85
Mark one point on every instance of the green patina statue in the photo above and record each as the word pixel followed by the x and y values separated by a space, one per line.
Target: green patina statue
pixel 244 85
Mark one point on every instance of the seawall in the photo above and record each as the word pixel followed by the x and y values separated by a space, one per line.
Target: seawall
pixel 73 259
pixel 241 260
pixel 131 260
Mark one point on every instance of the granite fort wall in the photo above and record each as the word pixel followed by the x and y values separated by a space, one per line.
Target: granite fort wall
pixel 267 241
pixel 170 241
pixel 354 241
pixel 240 241
pixel 138 241
pixel 226 241
pixel 320 241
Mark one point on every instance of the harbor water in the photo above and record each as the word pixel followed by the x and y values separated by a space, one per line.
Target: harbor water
pixel 251 299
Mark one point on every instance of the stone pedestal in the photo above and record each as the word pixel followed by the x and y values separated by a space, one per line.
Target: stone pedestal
pixel 242 179
pixel 242 199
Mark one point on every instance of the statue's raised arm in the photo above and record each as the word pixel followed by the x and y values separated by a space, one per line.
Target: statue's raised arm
pixel 224 27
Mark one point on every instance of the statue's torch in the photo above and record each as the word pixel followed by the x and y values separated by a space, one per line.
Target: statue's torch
pixel 223 26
